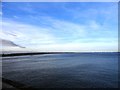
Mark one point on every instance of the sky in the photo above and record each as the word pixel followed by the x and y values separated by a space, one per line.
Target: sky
pixel 60 26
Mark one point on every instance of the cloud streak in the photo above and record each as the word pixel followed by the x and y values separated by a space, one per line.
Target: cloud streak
pixel 69 29
pixel 58 37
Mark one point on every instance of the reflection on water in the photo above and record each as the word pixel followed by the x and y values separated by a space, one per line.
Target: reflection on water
pixel 63 70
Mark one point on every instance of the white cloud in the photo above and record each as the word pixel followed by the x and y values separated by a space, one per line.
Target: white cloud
pixel 54 37
pixel 79 47
pixel 24 34
pixel 16 17
pixel 1 13
pixel 61 35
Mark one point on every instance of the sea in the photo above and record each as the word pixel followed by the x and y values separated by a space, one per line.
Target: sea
pixel 66 70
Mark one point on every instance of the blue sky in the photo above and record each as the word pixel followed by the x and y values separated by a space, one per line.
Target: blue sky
pixel 78 26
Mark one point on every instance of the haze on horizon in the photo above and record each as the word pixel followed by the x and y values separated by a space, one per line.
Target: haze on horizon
pixel 54 26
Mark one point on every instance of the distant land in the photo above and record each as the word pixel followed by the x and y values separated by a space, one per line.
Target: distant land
pixel 9 43
pixel 39 53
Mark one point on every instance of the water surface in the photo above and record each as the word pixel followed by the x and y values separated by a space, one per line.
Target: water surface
pixel 75 70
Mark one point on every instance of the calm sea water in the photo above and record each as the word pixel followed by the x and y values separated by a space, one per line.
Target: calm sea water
pixel 80 70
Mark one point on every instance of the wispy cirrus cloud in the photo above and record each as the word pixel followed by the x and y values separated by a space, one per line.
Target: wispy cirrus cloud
pixel 24 34
pixel 61 26
pixel 58 36
pixel 0 13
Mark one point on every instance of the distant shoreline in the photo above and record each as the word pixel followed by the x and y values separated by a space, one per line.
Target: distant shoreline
pixel 21 54
pixel 40 53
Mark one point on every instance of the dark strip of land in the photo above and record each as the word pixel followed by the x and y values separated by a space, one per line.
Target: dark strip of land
pixel 40 53
pixel 21 54
pixel 31 53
